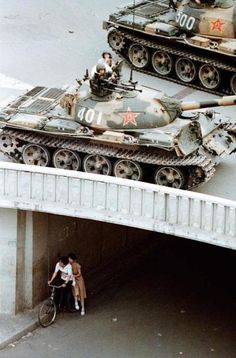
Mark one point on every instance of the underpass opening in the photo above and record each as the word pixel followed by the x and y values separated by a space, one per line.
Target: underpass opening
pixel 110 251
pixel 104 250
pixel 174 294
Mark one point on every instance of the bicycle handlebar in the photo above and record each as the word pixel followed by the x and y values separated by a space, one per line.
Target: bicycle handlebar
pixel 54 286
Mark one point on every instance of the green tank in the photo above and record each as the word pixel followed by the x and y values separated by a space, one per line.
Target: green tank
pixel 191 42
pixel 129 133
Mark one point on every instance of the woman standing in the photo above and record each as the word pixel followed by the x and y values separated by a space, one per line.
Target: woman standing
pixel 79 290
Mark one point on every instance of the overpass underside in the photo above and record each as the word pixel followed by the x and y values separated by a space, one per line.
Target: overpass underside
pixel 31 238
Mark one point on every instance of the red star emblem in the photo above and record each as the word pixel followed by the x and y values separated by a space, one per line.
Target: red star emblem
pixel 129 117
pixel 217 25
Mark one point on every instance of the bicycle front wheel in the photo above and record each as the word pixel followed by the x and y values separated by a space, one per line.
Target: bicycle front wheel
pixel 47 313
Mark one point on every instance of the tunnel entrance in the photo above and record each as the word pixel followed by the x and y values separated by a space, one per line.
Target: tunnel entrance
pixel 103 250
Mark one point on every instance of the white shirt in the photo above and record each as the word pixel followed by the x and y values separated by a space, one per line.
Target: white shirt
pixel 103 62
pixel 66 272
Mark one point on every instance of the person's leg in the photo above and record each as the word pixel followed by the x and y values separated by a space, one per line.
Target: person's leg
pixel 75 292
pixel 76 303
pixel 62 292
pixel 82 306
pixel 76 295
pixel 68 295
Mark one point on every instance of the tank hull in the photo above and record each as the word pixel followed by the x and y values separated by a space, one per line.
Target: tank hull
pixel 177 56
pixel 138 138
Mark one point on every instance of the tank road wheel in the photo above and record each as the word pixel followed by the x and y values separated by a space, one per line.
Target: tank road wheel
pixel 66 159
pixel 233 83
pixel 162 63
pixel 97 164
pixel 185 70
pixel 115 40
pixel 169 176
pixel 209 76
pixel 35 154
pixel 138 55
pixel 128 169
pixel 8 144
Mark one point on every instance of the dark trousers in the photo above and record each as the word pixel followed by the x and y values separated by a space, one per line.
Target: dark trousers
pixel 63 296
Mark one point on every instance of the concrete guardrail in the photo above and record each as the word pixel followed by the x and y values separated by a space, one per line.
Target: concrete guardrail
pixel 146 206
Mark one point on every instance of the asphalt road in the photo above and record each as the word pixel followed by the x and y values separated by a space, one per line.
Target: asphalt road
pixel 52 42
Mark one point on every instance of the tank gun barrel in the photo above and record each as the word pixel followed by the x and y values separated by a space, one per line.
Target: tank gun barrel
pixel 223 101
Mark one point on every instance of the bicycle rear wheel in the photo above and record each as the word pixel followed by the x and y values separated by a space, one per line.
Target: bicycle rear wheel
pixel 47 313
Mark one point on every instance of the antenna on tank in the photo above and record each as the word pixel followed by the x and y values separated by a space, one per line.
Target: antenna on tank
pixel 131 70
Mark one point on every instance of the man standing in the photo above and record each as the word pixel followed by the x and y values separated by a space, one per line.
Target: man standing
pixel 63 277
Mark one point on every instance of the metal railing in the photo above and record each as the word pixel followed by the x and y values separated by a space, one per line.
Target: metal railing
pixel 146 206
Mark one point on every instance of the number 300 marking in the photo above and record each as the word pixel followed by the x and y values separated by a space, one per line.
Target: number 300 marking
pixel 185 21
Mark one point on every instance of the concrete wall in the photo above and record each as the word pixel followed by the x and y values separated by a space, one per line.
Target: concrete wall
pixel 40 254
pixel 16 259
pixel 94 242
pixel 23 261
pixel 8 258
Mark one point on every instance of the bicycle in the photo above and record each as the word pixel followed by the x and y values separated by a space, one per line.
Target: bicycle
pixel 48 310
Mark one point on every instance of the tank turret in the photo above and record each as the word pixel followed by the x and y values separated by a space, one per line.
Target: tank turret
pixel 152 113
pixel 191 42
pixel 130 133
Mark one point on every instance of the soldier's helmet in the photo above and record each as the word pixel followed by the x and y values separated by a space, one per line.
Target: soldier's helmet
pixel 100 66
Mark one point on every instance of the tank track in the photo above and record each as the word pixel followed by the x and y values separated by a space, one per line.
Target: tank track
pixel 198 165
pixel 153 45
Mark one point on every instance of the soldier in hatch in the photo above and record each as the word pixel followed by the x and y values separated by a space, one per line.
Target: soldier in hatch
pixel 99 79
pixel 101 72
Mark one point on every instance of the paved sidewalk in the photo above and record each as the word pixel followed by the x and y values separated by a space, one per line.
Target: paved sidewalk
pixel 13 327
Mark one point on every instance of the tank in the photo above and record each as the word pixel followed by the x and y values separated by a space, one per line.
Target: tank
pixel 128 132
pixel 191 42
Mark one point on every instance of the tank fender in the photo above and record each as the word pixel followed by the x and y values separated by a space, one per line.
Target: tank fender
pixel 220 142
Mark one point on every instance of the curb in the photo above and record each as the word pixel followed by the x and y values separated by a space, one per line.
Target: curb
pixel 18 335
